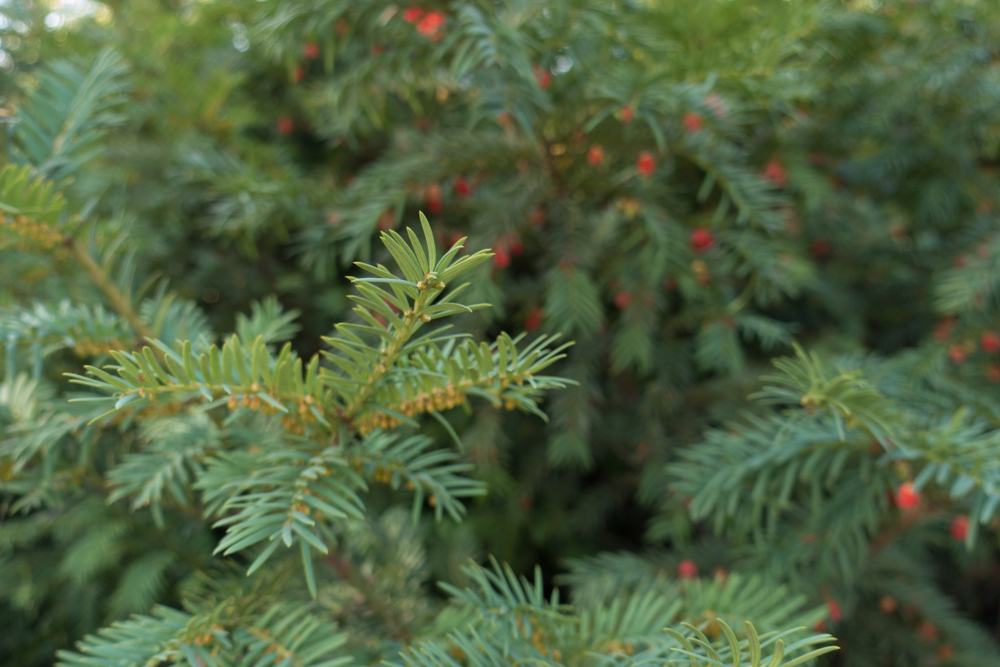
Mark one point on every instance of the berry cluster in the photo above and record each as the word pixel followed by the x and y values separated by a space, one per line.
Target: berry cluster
pixel 430 24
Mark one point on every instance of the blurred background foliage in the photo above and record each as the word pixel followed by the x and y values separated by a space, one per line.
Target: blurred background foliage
pixel 684 188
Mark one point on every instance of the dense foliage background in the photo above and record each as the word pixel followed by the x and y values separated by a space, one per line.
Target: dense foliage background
pixel 684 189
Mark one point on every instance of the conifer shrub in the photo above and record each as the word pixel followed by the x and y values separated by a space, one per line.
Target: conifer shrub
pixel 746 253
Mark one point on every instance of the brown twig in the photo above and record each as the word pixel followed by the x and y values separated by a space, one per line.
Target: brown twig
pixel 100 277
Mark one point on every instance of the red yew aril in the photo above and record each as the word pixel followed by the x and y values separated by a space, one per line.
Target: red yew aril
pixel 888 605
pixel 626 114
pixel 387 220
pixel 501 258
pixel 543 76
pixel 990 342
pixel 623 299
pixel 820 248
pixel 595 156
pixel 928 632
pixel 310 50
pixel 429 25
pixel 716 104
pixel 687 569
pixel 538 217
pixel 413 14
pixel 286 125
pixel 534 319
pixel 434 206
pixel 957 354
pixel 692 122
pixel 959 527
pixel 833 609
pixel 907 498
pixel 462 187
pixel 774 171
pixel 702 240
pixel 515 245
pixel 298 74
pixel 943 329
pixel 645 164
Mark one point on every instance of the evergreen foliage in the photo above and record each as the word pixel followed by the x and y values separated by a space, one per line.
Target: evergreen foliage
pixel 199 467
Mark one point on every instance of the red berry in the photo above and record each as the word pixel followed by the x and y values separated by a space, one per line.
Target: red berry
pixel 434 206
pixel 431 23
pixel 906 497
pixel 595 156
pixel 393 307
pixel 501 258
pixel 298 74
pixel 454 238
pixel 645 164
pixel 959 527
pixel 702 240
pixel 820 248
pixel 928 632
pixel 310 50
pixel 687 569
pixel 462 187
pixel 627 114
pixel 623 299
pixel 990 342
pixel 413 14
pixel 286 125
pixel 943 329
pixel 341 27
pixel 534 319
pixel 833 609
pixel 515 245
pixel 542 76
pixel 775 172
pixel 716 104
pixel 538 217
pixel 692 122
pixel 387 220
pixel 819 626
pixel 957 354
pixel 992 373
